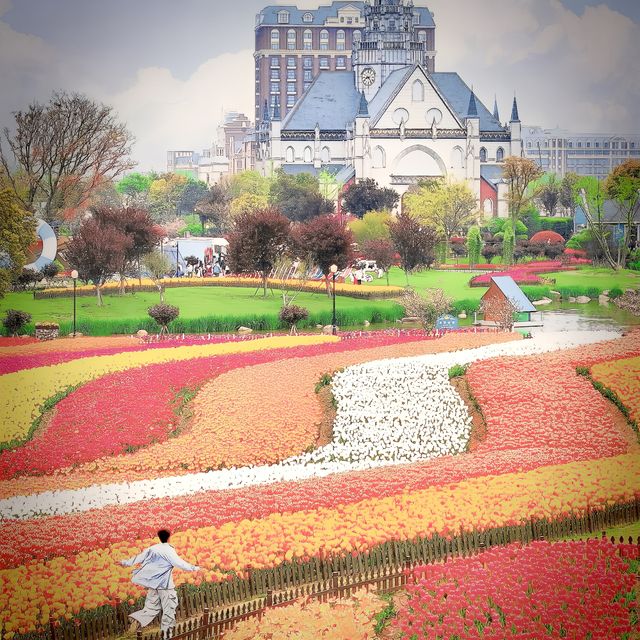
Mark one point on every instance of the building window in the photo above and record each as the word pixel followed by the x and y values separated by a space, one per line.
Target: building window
pixel 307 85
pixel 422 36
pixel 597 144
pixel 341 62
pixel 483 154
pixel 632 145
pixel 588 144
pixel 325 155
pixel 308 154
pixel 291 100
pixel 308 75
pixel 307 63
pixel 307 39
pixel 324 40
pixel 570 144
pixel 340 40
pixel 291 87
pixel 623 145
pixel 275 62
pixel 275 87
pixel 579 145
pixel 307 17
pixel 378 158
pixel 392 25
pixel 283 17
pixel 291 63
pixel 272 101
pixel 417 91
pixel 500 154
pixel 289 154
pixel 357 36
pixel 275 74
pixel 606 145
pixel 275 39
pixel 528 147
pixel 324 62
pixel 291 74
pixel 291 39
pixel 349 20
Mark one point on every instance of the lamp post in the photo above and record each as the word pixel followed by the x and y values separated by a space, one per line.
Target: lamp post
pixel 334 270
pixel 74 277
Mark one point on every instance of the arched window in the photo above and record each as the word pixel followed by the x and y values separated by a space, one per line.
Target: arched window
pixel 417 91
pixel 340 39
pixel 291 39
pixel 325 155
pixel 307 17
pixel 290 154
pixel 357 36
pixel 308 154
pixel 483 154
pixel 307 39
pixel 378 159
pixel 324 40
pixel 487 206
pixel 528 145
pixel 500 154
pixel 456 158
pixel 275 39
pixel 422 36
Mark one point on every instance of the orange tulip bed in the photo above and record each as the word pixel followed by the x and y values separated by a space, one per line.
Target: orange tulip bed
pixel 553 447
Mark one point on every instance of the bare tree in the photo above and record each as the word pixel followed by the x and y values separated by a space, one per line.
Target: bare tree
pixel 519 173
pixel 503 311
pixel 550 194
pixel 158 266
pixel 62 152
pixel 427 308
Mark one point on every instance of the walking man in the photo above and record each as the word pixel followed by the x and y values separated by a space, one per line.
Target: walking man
pixel 157 563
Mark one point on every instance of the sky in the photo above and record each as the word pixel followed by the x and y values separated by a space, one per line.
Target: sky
pixel 170 69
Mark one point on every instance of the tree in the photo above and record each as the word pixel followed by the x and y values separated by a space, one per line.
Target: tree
pixel 248 203
pixel 501 310
pixel 549 194
pixel 427 308
pixel 192 193
pixel 416 243
pixel 324 241
pixel 64 151
pixel 256 242
pixel 164 195
pixel 135 187
pixel 374 225
pixel 214 208
pixel 15 320
pixel 508 242
pixel 27 277
pixel 291 314
pixel 97 251
pixel 50 270
pixel 519 174
pixel 365 195
pixel 158 265
pixel 298 197
pixel 616 182
pixel 17 232
pixel 382 251
pixel 474 245
pixel 248 182
pixel 568 192
pixel 164 314
pixel 447 206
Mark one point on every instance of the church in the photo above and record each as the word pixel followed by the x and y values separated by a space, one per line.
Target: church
pixel 390 119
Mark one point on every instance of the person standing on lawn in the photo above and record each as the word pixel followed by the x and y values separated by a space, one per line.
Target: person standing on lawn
pixel 157 564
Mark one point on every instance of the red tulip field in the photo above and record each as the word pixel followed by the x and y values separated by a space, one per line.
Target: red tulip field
pixel 103 441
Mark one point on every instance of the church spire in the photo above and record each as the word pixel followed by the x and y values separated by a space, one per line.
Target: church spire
pixel 266 116
pixel 514 111
pixel 276 108
pixel 363 108
pixel 496 115
pixel 472 110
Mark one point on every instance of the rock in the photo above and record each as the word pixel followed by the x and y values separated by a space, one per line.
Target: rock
pixel 605 292
pixel 603 299
pixel 327 330
pixel 410 319
pixel 244 330
pixel 555 293
pixel 318 326
pixel 583 299
pixel 141 333
pixel 78 334
pixel 542 302
pixel 572 299
pixel 462 315
pixel 366 323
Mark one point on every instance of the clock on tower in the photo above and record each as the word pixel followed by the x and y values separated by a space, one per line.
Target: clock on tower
pixel 368 76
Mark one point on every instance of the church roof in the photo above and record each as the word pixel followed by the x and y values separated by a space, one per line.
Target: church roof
pixel 332 101
pixel 378 104
pixel 458 95
pixel 492 173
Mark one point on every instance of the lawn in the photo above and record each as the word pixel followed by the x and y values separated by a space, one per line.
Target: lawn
pixel 598 277
pixel 201 309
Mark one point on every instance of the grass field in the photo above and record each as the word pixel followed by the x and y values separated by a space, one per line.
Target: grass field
pixel 201 309
pixel 597 277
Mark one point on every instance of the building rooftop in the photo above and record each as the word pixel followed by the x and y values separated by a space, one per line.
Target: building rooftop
pixel 492 173
pixel 513 293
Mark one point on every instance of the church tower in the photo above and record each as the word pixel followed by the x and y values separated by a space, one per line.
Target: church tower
pixel 390 41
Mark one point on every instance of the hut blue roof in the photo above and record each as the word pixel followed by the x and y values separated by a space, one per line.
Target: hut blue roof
pixel 513 293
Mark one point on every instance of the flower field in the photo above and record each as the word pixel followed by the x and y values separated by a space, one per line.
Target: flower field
pixel 232 464
pixel 622 376
pixel 561 590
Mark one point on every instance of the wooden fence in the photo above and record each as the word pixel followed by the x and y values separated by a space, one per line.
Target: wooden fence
pixel 209 610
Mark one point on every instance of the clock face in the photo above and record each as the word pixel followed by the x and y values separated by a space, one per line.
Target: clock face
pixel 368 76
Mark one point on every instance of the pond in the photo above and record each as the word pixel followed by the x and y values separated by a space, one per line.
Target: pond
pixel 570 316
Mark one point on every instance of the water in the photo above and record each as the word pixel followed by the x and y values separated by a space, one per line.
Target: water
pixel 570 316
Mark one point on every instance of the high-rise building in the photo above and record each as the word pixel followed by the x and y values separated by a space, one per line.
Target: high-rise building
pixel 587 154
pixel 292 46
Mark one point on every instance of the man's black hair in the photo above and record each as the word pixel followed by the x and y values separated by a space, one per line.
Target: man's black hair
pixel 164 535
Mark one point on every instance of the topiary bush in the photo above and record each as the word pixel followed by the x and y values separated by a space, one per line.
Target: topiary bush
pixel 546 237
pixel 14 321
pixel 164 314
pixel 291 314
pixel 616 292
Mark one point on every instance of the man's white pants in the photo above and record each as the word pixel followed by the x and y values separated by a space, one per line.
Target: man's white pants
pixel 157 600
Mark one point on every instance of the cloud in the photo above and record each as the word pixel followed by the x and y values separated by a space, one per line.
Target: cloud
pixel 166 113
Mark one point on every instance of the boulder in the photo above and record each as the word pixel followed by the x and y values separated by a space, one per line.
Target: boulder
pixel 366 323
pixel 462 315
pixel 542 302
pixel 583 299
pixel 410 319
pixel 318 326
pixel 572 299
pixel 142 333
pixel 244 330
pixel 327 330
pixel 555 293
pixel 603 299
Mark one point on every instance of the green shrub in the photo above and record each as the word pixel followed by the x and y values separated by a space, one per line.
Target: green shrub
pixel 14 321
pixel 292 314
pixel 575 291
pixel 615 292
pixel 457 371
pixel 164 314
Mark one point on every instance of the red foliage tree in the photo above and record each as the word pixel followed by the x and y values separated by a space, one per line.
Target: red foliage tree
pixel 257 239
pixel 325 241
pixel 546 237
pixel 414 242
pixel 382 252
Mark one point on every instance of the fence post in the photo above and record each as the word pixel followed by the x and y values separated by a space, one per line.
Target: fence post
pixel 407 570
pixel 269 602
pixel 204 627
pixel 139 634
pixel 334 583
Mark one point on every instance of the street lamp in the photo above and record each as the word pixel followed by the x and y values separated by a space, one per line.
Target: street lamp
pixel 74 277
pixel 334 270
